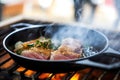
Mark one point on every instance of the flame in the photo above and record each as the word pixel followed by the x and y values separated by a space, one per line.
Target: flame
pixel 75 77
pixel 44 75
pixel 78 75
pixel 55 77
pixel 58 76
pixel 20 69
pixel 29 73
pixel 7 64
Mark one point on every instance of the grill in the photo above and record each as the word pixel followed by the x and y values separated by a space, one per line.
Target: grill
pixel 10 70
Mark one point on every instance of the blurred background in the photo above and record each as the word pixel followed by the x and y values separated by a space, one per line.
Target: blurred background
pixel 97 13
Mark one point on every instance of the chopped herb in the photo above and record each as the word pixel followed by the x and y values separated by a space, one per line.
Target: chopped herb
pixel 41 44
pixel 37 43
pixel 30 45
pixel 19 51
pixel 45 45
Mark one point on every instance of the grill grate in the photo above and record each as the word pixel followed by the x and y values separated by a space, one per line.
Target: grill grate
pixel 9 70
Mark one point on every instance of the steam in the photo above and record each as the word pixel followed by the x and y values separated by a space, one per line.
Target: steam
pixel 87 37
pixel 67 31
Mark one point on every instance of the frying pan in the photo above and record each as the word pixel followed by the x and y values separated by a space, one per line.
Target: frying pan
pixel 87 36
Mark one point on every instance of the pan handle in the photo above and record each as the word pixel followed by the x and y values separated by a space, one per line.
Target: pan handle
pixel 20 25
pixel 92 62
pixel 112 52
pixel 23 25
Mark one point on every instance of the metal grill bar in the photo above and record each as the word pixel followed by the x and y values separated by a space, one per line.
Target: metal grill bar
pixel 50 77
pixel 5 61
pixel 1 45
pixel 69 75
pixel 102 75
pixel 88 74
pixel 5 31
pixel 13 68
pixel 117 76
pixel 1 39
pixel 2 54
pixel 111 75
pixel 35 76
pixel 22 74
pixel 1 49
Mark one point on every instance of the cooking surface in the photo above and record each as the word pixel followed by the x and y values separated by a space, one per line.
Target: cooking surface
pixel 11 70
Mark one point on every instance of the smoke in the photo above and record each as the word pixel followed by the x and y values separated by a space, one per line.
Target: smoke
pixel 60 32
pixel 86 36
